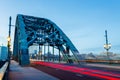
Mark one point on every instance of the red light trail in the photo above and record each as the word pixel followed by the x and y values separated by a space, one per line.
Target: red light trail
pixel 85 71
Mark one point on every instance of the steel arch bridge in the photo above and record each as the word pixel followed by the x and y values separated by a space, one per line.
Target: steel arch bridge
pixel 31 30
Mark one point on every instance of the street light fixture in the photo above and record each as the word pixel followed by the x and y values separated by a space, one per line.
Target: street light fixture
pixel 107 46
pixel 8 45
pixel 8 39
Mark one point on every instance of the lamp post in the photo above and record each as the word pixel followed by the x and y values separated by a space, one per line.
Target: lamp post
pixel 107 46
pixel 9 41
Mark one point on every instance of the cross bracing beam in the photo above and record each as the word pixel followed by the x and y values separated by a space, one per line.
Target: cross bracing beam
pixel 34 30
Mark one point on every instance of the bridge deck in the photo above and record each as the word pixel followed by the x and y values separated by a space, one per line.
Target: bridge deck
pixel 27 73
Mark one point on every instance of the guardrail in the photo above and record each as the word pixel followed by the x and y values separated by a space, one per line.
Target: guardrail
pixel 3 70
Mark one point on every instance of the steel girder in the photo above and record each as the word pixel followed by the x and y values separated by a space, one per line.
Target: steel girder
pixel 33 30
pixel 20 52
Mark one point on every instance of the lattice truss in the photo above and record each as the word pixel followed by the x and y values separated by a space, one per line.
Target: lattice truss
pixel 33 30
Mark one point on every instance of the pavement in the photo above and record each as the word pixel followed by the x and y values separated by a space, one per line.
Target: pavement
pixel 27 73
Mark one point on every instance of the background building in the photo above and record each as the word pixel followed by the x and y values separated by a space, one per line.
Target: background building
pixel 3 53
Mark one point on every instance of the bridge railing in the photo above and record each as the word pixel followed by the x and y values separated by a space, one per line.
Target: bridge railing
pixel 3 70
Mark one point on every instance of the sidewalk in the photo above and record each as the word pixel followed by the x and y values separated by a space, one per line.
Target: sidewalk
pixel 27 73
pixel 103 65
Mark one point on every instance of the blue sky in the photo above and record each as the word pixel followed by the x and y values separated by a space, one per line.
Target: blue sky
pixel 83 21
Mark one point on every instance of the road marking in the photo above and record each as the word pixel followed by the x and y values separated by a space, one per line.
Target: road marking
pixel 56 69
pixel 79 75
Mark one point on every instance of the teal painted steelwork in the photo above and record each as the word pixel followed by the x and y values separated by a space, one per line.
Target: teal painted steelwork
pixel 34 30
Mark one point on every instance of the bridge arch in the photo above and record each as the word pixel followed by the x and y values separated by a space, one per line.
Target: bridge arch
pixel 31 30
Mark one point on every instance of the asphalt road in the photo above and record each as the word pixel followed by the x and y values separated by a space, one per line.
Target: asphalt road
pixel 64 75
pixel 116 71
pixel 77 72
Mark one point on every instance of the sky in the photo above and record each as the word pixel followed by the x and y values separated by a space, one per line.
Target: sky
pixel 83 21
